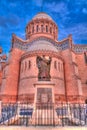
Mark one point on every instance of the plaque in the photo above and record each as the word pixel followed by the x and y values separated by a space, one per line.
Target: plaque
pixel 44 95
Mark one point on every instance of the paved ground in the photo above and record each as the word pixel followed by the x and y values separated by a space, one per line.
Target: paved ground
pixel 41 128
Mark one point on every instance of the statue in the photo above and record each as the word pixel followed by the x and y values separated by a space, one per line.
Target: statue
pixel 43 65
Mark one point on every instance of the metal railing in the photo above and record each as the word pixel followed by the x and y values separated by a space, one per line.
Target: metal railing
pixel 43 114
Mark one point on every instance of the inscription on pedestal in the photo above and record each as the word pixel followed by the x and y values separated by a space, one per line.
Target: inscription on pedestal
pixel 44 95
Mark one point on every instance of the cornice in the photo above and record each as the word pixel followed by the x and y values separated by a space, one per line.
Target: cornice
pixel 41 20
pixel 36 53
pixel 61 45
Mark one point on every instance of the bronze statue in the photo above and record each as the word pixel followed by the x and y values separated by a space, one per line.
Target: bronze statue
pixel 43 65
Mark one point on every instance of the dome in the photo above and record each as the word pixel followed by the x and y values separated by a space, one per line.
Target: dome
pixel 41 25
pixel 42 45
pixel 42 15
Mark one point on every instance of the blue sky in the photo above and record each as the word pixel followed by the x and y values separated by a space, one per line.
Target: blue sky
pixel 70 16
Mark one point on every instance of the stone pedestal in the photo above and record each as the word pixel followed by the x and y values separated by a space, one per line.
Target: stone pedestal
pixel 44 92
pixel 44 112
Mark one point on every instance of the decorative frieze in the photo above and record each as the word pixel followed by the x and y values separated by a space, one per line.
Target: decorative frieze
pixel 63 45
pixel 79 48
pixel 23 46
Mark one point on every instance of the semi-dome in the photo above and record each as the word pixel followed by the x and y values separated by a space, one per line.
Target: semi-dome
pixel 42 45
pixel 42 15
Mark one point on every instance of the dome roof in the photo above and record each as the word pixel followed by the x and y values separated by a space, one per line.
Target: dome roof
pixel 42 15
pixel 42 45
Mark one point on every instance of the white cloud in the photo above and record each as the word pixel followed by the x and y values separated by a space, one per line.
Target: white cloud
pixel 38 2
pixel 13 4
pixel 57 7
pixel 84 10
pixel 79 32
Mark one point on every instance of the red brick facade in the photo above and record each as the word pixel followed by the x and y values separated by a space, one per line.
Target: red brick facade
pixel 68 68
pixel 0 79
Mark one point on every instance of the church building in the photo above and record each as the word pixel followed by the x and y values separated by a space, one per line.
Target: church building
pixel 42 69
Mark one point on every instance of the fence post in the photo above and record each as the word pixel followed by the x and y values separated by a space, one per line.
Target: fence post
pixel 18 109
pixel 18 112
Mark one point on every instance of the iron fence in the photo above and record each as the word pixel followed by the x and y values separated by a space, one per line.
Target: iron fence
pixel 43 114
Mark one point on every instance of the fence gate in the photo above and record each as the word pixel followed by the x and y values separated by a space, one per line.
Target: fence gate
pixel 44 114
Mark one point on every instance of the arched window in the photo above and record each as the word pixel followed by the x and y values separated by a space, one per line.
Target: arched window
pixel 4 73
pixel 50 29
pixel 59 66
pixel 32 29
pixel 85 57
pixel 41 28
pixel 46 28
pixel 37 28
pixel 25 65
pixel 55 64
pixel 22 67
pixel 86 82
pixel 29 64
pixel 86 101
